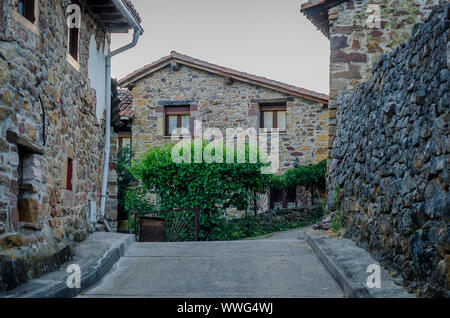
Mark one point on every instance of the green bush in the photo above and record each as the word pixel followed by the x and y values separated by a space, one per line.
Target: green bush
pixel 313 175
pixel 124 180
pixel 209 187
pixel 252 226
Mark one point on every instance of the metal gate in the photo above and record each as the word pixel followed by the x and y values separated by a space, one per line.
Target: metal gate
pixel 166 226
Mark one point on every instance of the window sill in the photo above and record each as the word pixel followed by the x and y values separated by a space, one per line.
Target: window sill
pixel 31 226
pixel 74 63
pixel 179 137
pixel 24 22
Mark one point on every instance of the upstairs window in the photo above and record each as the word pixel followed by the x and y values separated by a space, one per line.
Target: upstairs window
pixel 177 117
pixel 74 40
pixel 26 8
pixel 273 116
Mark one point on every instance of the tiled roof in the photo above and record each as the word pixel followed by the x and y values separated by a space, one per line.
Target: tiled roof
pixel 133 11
pixel 223 71
pixel 110 14
pixel 317 12
pixel 126 103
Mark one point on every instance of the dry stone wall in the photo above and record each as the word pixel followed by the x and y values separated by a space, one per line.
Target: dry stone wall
pixel 357 40
pixel 389 171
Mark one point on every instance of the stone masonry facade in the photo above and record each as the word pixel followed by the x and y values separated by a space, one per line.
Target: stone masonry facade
pixel 219 103
pixel 42 93
pixel 356 44
pixel 389 170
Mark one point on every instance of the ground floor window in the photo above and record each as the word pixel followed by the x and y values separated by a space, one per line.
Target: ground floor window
pixel 125 139
pixel 283 197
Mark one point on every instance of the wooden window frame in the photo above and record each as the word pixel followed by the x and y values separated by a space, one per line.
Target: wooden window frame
pixel 178 111
pixel 30 17
pixel 274 108
pixel 125 135
pixel 73 38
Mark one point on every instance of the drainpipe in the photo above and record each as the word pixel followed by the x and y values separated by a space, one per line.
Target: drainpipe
pixel 138 31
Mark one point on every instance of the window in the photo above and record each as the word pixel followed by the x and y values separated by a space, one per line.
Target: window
pixel 26 8
pixel 273 116
pixel 283 197
pixel 125 139
pixel 74 42
pixel 28 183
pixel 177 117
pixel 23 155
pixel 69 179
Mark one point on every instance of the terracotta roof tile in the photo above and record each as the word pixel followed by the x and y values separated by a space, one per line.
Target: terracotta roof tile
pixel 224 71
pixel 132 9
pixel 126 103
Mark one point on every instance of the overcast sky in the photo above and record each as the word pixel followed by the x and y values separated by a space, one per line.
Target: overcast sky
pixel 269 38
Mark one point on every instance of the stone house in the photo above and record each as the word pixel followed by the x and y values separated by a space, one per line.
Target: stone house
pixel 53 128
pixel 178 90
pixel 389 115
pixel 360 31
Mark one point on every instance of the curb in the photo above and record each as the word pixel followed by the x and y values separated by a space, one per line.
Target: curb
pixel 90 277
pixel 350 286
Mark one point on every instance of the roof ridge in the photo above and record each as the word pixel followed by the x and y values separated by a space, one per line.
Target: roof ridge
pixel 232 72
pixel 249 74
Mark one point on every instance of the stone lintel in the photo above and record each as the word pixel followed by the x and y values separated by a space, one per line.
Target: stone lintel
pixel 23 142
pixel 176 102
pixel 272 100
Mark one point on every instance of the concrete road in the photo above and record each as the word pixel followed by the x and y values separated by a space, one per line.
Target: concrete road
pixel 279 266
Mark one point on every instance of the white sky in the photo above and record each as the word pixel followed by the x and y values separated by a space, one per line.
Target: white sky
pixel 269 38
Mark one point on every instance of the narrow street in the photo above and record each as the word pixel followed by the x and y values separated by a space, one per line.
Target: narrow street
pixel 279 266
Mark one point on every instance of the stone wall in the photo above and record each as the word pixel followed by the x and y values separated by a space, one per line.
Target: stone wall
pixel 389 171
pixel 356 44
pixel 36 78
pixel 220 105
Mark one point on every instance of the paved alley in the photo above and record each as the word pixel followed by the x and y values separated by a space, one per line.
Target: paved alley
pixel 280 266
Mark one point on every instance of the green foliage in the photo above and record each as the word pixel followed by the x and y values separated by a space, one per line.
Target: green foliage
pixel 124 180
pixel 253 226
pixel 136 200
pixel 210 187
pixel 337 196
pixel 313 175
pixel 337 223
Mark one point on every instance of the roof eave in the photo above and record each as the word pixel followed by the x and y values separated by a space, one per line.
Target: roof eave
pixel 313 11
pixel 134 77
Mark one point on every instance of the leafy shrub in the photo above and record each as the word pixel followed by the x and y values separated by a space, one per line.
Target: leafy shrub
pixel 337 222
pixel 125 180
pixel 209 187
pixel 252 226
pixel 313 175
pixel 136 200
